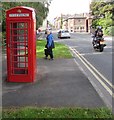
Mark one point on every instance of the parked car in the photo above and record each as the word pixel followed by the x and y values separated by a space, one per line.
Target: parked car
pixel 63 34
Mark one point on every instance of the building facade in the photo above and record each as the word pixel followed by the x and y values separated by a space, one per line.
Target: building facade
pixel 75 23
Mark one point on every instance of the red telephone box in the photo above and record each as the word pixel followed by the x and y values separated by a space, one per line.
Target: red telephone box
pixel 21 44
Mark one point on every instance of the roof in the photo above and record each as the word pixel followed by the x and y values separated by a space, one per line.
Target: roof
pixel 77 17
pixel 28 8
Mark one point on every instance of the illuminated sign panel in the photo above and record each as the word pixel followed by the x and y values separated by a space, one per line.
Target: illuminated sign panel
pixel 19 15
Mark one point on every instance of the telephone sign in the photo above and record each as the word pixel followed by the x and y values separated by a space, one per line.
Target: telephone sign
pixel 19 15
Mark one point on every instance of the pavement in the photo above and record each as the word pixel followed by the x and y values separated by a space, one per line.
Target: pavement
pixel 58 83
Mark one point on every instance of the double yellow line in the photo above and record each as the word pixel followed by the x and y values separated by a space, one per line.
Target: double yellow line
pixel 91 68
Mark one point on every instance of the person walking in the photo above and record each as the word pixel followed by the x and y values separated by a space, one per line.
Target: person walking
pixel 50 45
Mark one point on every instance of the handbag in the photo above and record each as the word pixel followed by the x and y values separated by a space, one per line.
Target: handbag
pixel 46 51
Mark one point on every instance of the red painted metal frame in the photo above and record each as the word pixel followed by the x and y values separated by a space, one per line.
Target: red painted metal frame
pixel 15 70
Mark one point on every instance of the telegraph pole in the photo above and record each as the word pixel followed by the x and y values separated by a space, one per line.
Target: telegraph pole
pixel 61 21
pixel 47 4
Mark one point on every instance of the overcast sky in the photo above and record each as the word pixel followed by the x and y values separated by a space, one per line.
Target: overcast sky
pixel 59 7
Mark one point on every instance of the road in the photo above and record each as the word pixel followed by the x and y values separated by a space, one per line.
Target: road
pixel 101 60
pixel 96 65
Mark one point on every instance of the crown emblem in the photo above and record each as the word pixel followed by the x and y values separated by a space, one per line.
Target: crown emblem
pixel 19 11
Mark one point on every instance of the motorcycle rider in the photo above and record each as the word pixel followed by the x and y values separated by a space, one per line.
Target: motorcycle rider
pixel 98 34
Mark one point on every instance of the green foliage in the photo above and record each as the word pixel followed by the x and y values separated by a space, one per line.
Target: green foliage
pixel 60 50
pixel 109 31
pixel 103 15
pixel 41 11
pixel 35 112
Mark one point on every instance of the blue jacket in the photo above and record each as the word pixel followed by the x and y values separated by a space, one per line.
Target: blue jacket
pixel 50 42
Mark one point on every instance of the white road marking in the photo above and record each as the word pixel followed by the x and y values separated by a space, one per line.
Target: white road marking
pixel 106 80
pixel 87 64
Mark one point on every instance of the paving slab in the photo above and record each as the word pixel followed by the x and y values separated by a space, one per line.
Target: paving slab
pixel 58 83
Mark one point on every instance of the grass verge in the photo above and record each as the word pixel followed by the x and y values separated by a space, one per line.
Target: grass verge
pixel 60 50
pixel 34 112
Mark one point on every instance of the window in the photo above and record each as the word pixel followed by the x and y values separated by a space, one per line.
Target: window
pixel 77 28
pixel 19 47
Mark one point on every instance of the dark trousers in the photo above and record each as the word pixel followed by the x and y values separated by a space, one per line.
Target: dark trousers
pixel 49 51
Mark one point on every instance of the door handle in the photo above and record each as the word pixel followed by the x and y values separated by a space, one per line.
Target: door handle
pixel 9 45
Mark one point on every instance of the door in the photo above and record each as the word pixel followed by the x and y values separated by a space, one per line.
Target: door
pixel 18 48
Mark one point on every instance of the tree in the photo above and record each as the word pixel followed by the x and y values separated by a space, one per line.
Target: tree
pixel 103 14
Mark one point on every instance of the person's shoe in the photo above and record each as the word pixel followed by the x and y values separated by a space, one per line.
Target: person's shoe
pixel 51 59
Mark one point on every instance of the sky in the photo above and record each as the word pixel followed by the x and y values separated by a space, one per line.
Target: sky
pixel 59 7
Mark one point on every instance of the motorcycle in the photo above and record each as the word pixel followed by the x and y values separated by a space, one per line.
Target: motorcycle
pixel 98 43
